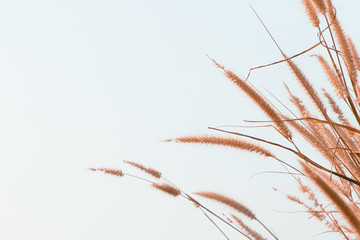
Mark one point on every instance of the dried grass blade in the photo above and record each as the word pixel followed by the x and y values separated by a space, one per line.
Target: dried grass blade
pixel 281 61
pixel 330 123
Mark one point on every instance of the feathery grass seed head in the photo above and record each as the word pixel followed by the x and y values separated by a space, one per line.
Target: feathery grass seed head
pixel 320 6
pixel 354 53
pixel 345 48
pixel 308 87
pixel 311 11
pixel 260 101
pixel 247 229
pixel 111 171
pixel 167 188
pixel 151 171
pixel 343 207
pixel 226 141
pixel 333 77
pixel 229 202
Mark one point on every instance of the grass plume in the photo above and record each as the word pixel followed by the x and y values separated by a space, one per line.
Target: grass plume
pixel 225 141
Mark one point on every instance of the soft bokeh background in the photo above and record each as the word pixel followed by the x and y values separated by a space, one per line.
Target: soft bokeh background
pixel 91 83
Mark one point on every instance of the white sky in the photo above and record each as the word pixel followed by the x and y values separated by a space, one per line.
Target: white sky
pixel 91 83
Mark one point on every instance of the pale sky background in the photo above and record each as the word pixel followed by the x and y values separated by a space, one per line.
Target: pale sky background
pixel 91 83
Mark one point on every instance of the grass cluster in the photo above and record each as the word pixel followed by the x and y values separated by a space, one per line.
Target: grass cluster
pixel 328 120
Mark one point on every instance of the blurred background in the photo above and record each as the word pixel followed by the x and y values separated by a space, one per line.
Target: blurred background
pixel 88 84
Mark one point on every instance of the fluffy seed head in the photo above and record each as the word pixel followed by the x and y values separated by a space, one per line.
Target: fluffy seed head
pixel 230 142
pixel 260 101
pixel 345 48
pixel 354 53
pixel 320 6
pixel 167 188
pixel 308 87
pixel 333 77
pixel 311 11
pixel 151 171
pixel 328 189
pixel 115 172
pixel 229 202
pixel 250 231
